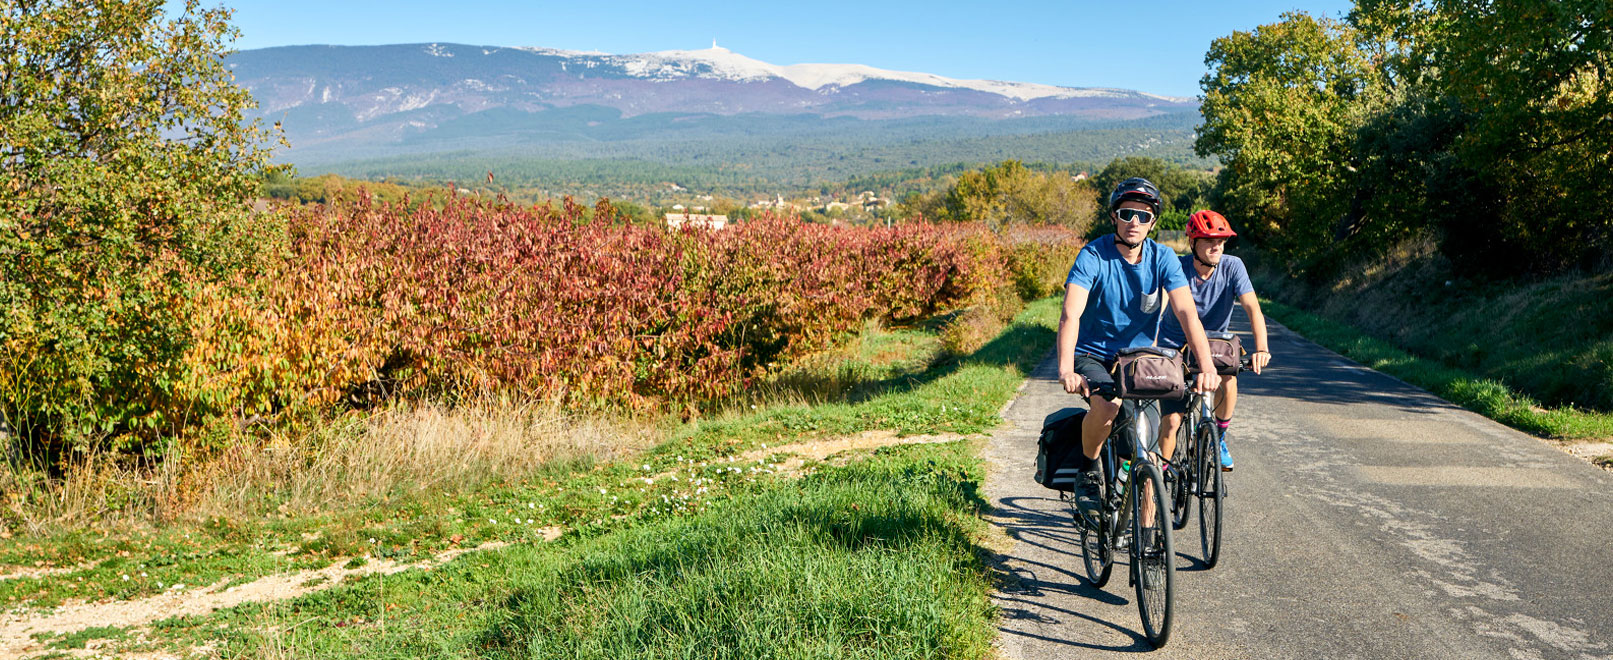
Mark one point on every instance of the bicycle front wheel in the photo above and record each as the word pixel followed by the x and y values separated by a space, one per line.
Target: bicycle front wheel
pixel 1212 490
pixel 1152 555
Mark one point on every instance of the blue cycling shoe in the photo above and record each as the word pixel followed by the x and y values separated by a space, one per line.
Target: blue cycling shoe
pixel 1226 457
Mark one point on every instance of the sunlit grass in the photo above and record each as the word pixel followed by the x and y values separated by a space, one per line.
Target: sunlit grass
pixel 1486 396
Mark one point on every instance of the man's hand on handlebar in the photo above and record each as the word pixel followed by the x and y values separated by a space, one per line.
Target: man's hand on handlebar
pixel 1207 382
pixel 1259 359
pixel 1074 383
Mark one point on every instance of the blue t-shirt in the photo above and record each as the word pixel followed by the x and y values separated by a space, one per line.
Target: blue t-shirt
pixel 1124 300
pixel 1213 297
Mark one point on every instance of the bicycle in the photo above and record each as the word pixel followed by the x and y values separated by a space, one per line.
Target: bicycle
pixel 1152 571
pixel 1198 471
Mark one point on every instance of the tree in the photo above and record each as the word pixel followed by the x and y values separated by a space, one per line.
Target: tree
pixel 1532 84
pixel 1009 193
pixel 125 171
pixel 1282 105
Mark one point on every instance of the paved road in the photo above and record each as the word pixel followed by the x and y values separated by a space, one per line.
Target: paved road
pixel 1367 519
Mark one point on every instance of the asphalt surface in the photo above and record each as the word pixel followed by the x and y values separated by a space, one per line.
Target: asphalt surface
pixel 1366 518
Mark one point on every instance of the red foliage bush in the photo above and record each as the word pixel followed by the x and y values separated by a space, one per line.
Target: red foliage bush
pixel 478 297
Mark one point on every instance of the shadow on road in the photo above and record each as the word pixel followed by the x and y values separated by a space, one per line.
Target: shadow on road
pixel 1024 592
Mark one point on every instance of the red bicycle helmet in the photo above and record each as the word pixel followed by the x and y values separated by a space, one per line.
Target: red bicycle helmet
pixel 1209 224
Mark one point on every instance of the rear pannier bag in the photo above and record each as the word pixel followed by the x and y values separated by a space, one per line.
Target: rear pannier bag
pixel 1150 372
pixel 1059 461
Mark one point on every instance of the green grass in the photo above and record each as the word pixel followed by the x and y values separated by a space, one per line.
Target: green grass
pixel 1550 338
pixel 1487 396
pixel 679 550
pixel 876 559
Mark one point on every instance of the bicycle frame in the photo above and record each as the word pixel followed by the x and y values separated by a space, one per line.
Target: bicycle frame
pixel 1135 424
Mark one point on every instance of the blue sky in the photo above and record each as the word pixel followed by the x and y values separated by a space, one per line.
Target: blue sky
pixel 1155 46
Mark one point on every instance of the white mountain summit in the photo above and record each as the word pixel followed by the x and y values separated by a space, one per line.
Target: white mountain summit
pixel 723 64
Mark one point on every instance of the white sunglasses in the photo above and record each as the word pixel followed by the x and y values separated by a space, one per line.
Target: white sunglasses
pixel 1135 215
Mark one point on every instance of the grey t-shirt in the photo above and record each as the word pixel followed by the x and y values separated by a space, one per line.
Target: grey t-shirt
pixel 1214 298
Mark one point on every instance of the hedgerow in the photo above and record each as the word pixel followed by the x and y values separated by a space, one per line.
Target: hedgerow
pixel 460 298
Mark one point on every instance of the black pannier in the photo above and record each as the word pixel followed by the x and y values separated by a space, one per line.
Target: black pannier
pixel 1059 461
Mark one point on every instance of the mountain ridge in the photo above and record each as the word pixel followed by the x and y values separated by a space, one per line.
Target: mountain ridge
pixel 344 103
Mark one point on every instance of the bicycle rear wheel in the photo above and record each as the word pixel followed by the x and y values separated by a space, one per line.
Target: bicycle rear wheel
pixel 1212 492
pixel 1179 479
pixel 1152 555
pixel 1096 554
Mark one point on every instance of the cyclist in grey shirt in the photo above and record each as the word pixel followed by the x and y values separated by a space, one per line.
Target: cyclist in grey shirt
pixel 1216 280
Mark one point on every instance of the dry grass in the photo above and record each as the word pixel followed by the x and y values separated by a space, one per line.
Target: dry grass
pixel 975 326
pixel 353 461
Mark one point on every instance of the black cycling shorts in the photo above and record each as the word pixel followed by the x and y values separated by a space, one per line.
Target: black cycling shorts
pixel 1094 369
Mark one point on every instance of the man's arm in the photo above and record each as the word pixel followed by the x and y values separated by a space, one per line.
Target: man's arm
pixel 1257 321
pixel 1075 302
pixel 1188 315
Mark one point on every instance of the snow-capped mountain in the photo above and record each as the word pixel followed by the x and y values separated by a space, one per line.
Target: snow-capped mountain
pixel 340 97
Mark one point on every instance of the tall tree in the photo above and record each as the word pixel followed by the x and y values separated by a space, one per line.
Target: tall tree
pixel 1282 104
pixel 125 170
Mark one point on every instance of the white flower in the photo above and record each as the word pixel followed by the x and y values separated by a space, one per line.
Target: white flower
pixel 491 521
pixel 601 491
pixel 649 481
pixel 125 577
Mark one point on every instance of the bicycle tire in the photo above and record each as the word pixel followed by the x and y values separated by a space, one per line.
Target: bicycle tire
pixel 1179 480
pixel 1212 492
pixel 1096 555
pixel 1153 563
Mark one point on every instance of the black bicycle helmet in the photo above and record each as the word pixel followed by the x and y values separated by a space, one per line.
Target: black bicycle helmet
pixel 1135 189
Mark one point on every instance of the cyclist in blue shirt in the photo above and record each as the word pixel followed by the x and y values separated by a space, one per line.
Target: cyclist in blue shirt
pixel 1217 280
pixel 1113 299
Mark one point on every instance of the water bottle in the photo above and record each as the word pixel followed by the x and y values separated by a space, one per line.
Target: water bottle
pixel 1125 470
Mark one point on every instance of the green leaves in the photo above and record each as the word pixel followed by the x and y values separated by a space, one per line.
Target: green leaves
pixel 125 168
pixel 1492 121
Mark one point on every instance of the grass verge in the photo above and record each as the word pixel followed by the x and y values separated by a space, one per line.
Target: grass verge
pixel 1486 396
pixel 875 559
pixel 841 541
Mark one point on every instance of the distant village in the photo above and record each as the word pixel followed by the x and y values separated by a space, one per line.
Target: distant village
pixel 863 206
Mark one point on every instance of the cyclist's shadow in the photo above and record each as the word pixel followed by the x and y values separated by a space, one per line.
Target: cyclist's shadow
pixel 1048 581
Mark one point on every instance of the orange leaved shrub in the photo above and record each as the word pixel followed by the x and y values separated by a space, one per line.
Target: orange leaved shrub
pixel 476 297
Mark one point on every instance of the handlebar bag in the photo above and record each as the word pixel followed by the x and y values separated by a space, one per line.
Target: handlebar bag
pixel 1150 372
pixel 1226 352
pixel 1059 461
